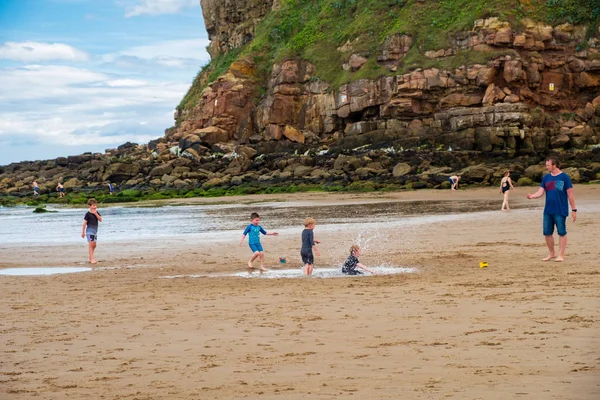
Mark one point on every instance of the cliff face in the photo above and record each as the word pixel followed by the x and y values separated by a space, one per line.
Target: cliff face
pixel 540 92
pixel 326 94
pixel 231 23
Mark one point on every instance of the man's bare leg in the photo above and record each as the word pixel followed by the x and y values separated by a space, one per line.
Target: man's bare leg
pixel 550 244
pixel 562 245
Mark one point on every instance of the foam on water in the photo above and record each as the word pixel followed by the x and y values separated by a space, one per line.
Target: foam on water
pixel 42 271
pixel 298 273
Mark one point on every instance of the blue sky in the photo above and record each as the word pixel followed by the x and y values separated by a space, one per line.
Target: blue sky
pixel 89 75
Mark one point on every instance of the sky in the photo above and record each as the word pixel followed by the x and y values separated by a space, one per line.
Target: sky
pixel 90 75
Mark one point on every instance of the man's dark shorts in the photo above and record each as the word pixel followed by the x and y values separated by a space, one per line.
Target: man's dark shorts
pixel 555 219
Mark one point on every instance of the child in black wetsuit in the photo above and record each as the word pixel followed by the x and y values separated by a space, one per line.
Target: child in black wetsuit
pixel 352 263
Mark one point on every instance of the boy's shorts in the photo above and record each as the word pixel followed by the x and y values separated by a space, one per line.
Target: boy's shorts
pixel 555 219
pixel 307 257
pixel 91 236
pixel 256 247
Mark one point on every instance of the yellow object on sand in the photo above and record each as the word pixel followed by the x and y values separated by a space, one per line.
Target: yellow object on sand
pixel 483 264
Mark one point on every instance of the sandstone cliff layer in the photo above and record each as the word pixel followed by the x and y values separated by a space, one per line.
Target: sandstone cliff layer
pixel 542 93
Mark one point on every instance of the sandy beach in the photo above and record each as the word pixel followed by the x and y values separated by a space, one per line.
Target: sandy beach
pixel 520 328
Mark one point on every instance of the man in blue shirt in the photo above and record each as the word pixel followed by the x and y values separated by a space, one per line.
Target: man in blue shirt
pixel 559 193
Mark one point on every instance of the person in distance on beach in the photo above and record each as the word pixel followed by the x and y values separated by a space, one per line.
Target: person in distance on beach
pixel 352 265
pixel 36 189
pixel 89 230
pixel 559 193
pixel 254 229
pixel 505 187
pixel 308 245
pixel 61 190
pixel 454 181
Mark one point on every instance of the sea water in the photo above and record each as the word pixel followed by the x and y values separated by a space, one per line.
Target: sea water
pixel 20 226
pixel 42 271
pixel 327 272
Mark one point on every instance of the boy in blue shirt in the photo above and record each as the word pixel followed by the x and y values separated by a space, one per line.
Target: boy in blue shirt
pixel 559 193
pixel 254 229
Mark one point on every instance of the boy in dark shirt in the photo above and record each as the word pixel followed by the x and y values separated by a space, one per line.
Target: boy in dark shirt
pixel 89 230
pixel 308 244
pixel 352 263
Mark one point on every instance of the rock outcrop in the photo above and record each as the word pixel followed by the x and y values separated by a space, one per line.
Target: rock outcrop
pixel 537 92
pixel 541 95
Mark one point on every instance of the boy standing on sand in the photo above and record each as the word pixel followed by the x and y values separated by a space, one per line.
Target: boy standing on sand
pixel 352 263
pixel 89 230
pixel 254 229
pixel 308 244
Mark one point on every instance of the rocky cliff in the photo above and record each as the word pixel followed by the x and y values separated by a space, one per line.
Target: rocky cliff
pixel 360 95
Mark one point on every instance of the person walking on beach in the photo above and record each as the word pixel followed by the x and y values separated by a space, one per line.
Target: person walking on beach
pixel 505 187
pixel 254 229
pixel 36 189
pixel 308 245
pixel 61 190
pixel 454 181
pixel 111 188
pixel 559 192
pixel 89 230
pixel 352 265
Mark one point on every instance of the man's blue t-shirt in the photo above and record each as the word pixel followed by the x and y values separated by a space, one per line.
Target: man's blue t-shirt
pixel 255 232
pixel 557 201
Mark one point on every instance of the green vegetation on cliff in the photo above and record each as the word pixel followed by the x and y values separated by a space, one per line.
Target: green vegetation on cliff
pixel 316 29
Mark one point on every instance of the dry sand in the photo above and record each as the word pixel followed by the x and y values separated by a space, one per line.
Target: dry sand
pixel 521 328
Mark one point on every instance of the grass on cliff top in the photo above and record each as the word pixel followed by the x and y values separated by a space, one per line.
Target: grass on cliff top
pixel 315 29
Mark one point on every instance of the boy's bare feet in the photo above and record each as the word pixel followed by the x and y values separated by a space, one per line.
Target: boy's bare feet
pixel 559 259
pixel 263 269
pixel 548 258
pixel 93 262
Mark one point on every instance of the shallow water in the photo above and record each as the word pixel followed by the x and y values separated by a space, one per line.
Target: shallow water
pixel 42 271
pixel 298 273
pixel 19 225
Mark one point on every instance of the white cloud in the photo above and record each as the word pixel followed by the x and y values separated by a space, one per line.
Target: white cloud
pixel 157 7
pixel 126 83
pixel 36 51
pixel 68 106
pixel 181 53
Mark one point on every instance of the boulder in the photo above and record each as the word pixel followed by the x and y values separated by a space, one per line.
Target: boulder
pixel 559 141
pixel 401 169
pixel 535 172
pixel 347 163
pixel 356 62
pixel 573 174
pixel 161 170
pixel 72 183
pixel 293 134
pixel 120 172
pixel 212 135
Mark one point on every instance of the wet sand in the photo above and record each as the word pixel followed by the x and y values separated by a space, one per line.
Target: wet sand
pixel 521 328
